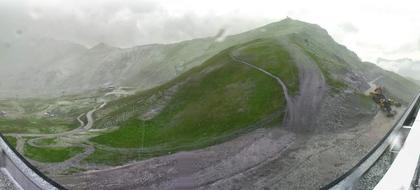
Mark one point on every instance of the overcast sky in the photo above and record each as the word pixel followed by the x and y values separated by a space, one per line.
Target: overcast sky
pixel 374 28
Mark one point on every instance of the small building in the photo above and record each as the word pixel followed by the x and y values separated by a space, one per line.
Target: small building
pixel 3 114
pixel 49 114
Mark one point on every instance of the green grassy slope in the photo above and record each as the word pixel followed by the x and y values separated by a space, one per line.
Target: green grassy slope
pixel 51 154
pixel 336 62
pixel 164 62
pixel 269 55
pixel 218 99
pixel 204 96
pixel 11 140
pixel 112 158
pixel 395 85
pixel 35 125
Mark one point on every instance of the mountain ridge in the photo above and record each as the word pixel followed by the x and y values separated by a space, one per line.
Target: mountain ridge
pixel 260 104
pixel 257 104
pixel 147 66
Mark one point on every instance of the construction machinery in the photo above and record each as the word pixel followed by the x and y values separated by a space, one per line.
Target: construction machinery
pixel 383 102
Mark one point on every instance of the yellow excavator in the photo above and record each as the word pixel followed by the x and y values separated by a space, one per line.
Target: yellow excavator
pixel 383 102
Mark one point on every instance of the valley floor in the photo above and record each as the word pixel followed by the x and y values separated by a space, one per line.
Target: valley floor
pixel 280 107
pixel 271 158
pixel 322 137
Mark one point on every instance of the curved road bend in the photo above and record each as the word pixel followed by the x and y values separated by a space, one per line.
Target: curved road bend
pixel 89 149
pixel 81 128
pixel 302 109
pixel 283 86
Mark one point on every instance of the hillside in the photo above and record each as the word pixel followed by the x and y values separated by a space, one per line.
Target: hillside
pixel 404 67
pixel 142 67
pixel 23 62
pixel 279 104
pixel 341 69
pixel 208 103
pixel 266 108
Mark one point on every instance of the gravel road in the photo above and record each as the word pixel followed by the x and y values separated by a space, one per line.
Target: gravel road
pixel 278 157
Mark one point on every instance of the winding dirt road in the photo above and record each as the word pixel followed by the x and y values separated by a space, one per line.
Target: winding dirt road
pixel 302 109
pixel 261 159
pixel 305 106
pixel 73 161
pixel 289 101
pixel 220 164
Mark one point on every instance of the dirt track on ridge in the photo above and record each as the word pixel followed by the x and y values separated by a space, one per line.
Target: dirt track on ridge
pixel 267 158
pixel 201 168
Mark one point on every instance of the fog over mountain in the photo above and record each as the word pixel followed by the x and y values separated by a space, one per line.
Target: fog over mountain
pixel 56 46
pixel 125 94
pixel 130 23
pixel 405 67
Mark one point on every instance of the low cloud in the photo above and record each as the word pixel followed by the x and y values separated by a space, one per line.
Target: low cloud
pixel 418 45
pixel 405 48
pixel 127 23
pixel 123 24
pixel 348 27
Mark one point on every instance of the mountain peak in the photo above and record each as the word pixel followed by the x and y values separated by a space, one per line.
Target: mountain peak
pixel 405 59
pixel 290 25
pixel 102 46
pixel 288 19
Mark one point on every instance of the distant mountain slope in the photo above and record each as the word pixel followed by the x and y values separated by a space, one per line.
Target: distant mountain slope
pixel 73 69
pixel 205 105
pixel 24 62
pixel 278 104
pixel 406 67
pixel 297 54
pixel 341 64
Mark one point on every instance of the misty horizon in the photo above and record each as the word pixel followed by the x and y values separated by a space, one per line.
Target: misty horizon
pixel 186 94
pixel 379 30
